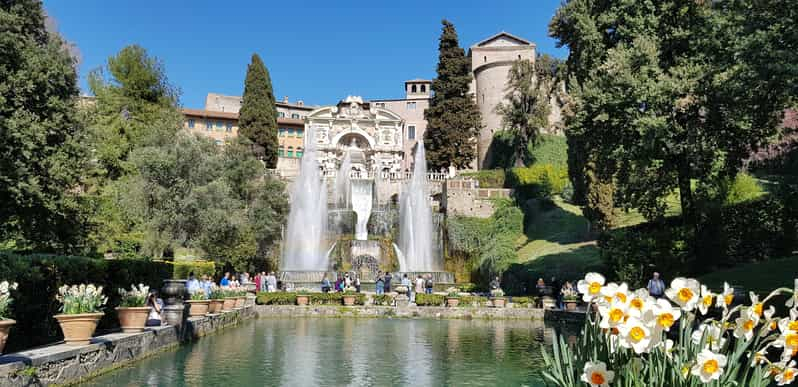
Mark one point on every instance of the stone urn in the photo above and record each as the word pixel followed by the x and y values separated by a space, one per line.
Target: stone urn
pixel 499 302
pixel 78 328
pixel 132 319
pixel 302 299
pixel 174 291
pixel 240 300
pixel 5 326
pixel 215 306
pixel 228 304
pixel 570 306
pixel 452 301
pixel 198 308
pixel 349 299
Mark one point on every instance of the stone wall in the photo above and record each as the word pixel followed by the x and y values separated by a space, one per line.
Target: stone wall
pixel 465 198
pixel 64 364
pixel 373 311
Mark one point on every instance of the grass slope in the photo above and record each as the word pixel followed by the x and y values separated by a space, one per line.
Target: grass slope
pixel 760 277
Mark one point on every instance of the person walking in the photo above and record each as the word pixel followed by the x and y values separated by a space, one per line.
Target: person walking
pixel 387 282
pixel 656 287
pixel 428 285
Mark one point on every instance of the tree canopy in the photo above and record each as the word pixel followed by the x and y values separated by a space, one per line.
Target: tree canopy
pixel 258 115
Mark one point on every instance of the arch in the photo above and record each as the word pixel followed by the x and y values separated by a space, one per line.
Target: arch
pixel 290 152
pixel 413 89
pixel 423 88
pixel 355 131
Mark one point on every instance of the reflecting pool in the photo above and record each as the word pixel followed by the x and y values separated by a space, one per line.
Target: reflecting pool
pixel 355 352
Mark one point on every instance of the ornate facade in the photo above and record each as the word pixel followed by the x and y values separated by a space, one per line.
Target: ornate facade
pixel 376 132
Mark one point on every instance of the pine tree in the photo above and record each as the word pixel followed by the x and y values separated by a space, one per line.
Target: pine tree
pixel 453 120
pixel 258 116
pixel 40 138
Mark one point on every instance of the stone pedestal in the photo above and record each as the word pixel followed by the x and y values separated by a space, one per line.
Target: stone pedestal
pixel 173 315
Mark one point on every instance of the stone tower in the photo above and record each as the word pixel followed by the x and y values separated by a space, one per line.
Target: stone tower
pixel 491 60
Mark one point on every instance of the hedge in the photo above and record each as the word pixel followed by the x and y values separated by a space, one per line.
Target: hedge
pixel 487 178
pixel 40 276
pixel 183 268
pixel 429 300
pixel 289 298
pixel 538 180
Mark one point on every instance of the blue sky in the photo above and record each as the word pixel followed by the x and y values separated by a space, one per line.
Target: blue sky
pixel 317 51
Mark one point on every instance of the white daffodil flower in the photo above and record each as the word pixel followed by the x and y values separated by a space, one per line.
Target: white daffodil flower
pixel 596 374
pixel 709 366
pixel 665 314
pixel 745 324
pixel 707 300
pixel 590 287
pixel 787 374
pixel 636 334
pixel 684 292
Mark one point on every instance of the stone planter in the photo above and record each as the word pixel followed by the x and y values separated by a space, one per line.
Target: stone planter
pixel 229 304
pixel 240 302
pixel 132 319
pixel 174 291
pixel 215 306
pixel 302 299
pixel 5 326
pixel 499 302
pixel 570 305
pixel 198 308
pixel 78 328
pixel 452 301
pixel 349 299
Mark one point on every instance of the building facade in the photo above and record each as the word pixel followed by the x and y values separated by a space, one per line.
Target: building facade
pixel 411 109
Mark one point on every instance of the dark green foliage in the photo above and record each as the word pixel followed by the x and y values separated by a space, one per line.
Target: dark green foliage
pixel 430 300
pixel 487 178
pixel 276 298
pixel 524 302
pixel 41 156
pixel 453 120
pixel 258 115
pixel 182 269
pixel 382 299
pixel 289 298
pixel 549 149
pixel 40 276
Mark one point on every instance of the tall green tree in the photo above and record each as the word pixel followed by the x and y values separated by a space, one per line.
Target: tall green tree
pixel 258 115
pixel 453 120
pixel 525 111
pixel 41 156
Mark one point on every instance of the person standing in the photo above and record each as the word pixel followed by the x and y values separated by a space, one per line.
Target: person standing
pixel 225 282
pixel 258 280
pixel 406 283
pixel 206 285
pixel 347 281
pixel 387 282
pixel 357 284
pixel 380 286
pixel 428 285
pixel 193 284
pixel 656 288
pixel 495 284
pixel 272 282
pixel 419 285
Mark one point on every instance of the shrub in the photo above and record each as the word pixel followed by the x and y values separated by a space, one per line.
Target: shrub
pixel 429 300
pixel 183 268
pixel 276 298
pixel 524 301
pixel 473 301
pixel 382 299
pixel 40 277
pixel 538 180
pixel 549 149
pixel 742 189
pixel 487 178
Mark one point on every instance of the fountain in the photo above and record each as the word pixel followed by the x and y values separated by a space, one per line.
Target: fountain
pixel 341 189
pixel 303 247
pixel 362 201
pixel 415 221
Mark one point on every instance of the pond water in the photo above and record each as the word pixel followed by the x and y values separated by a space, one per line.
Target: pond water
pixel 356 352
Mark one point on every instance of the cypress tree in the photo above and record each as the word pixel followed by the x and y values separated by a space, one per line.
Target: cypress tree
pixel 453 120
pixel 257 119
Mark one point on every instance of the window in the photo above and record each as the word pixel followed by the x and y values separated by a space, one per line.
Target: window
pixel 209 125
pixel 484 58
pixel 295 115
pixel 191 123
pixel 380 104
pixel 229 127
pixel 290 151
pixel 281 114
pixel 413 89
pixel 299 152
pixel 519 57
pixel 280 151
pixel 411 106
pixel 411 132
pixel 219 125
pixel 423 88
pixel 290 132
pixel 300 132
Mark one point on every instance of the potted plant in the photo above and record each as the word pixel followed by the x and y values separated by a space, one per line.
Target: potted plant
pixel 571 298
pixel 80 311
pixel 302 297
pixel 198 304
pixel 229 300
pixel 241 298
pixel 5 301
pixel 133 310
pixel 216 301
pixel 452 297
pixel 498 299
pixel 349 296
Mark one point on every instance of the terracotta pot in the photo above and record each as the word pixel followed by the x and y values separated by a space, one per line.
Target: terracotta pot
pixel 499 302
pixel 302 300
pixel 451 301
pixel 349 300
pixel 78 328
pixel 240 301
pixel 5 326
pixel 570 305
pixel 198 308
pixel 215 306
pixel 229 304
pixel 132 319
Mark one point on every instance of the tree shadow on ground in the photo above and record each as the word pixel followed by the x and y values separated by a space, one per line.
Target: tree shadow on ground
pixel 545 220
pixel 571 265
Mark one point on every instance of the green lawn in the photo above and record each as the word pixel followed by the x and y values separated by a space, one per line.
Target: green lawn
pixel 761 277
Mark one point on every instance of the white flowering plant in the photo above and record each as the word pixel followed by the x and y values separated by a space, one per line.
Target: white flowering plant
pixel 693 337
pixel 497 293
pixel 78 299
pixel 5 298
pixel 136 297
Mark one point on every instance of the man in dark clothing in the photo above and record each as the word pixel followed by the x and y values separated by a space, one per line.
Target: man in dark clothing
pixel 428 285
pixel 387 282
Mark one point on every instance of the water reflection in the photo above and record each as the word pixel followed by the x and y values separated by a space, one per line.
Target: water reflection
pixel 356 352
